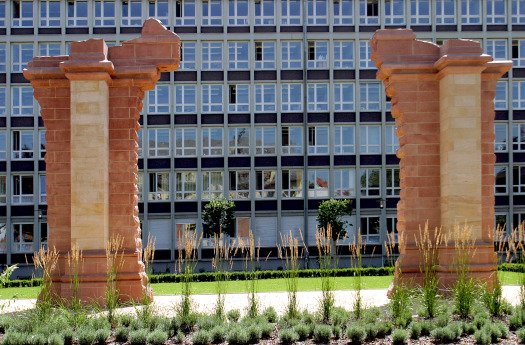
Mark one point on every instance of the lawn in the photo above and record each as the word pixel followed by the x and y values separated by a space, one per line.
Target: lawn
pixel 265 285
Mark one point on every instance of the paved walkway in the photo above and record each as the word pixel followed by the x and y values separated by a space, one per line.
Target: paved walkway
pixel 306 300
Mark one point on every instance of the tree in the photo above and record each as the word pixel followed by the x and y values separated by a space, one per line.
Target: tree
pixel 330 213
pixel 219 216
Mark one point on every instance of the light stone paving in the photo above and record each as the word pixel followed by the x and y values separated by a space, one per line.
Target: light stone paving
pixel 308 300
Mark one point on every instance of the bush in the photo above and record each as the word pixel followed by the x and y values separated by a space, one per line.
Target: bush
pixel 138 337
pixel 384 329
pixel 121 334
pixel 481 320
pixel 415 330
pixel 157 337
pixel 100 323
pixel 55 339
pixel 482 337
pixel 521 334
pixel 101 335
pixel 86 337
pixel 125 320
pixel 266 330
pixel 254 334
pixel 337 331
pixel 68 335
pixel 218 334
pixel 469 328
pixel 233 315
pixel 201 337
pixel 37 339
pixel 179 338
pixel 270 314
pixel 14 338
pixel 356 334
pixel 302 330
pixel 322 334
pixel 445 334
pixel 288 336
pixel 237 336
pixel 515 321
pixel 399 336
pixel 340 316
pixel 371 330
pixel 5 321
pixel 207 322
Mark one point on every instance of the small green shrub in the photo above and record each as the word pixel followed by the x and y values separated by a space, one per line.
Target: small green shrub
pixel 179 337
pixel 125 319
pixel 356 334
pixel 481 320
pixel 340 317
pixel 322 334
pixel 69 336
pixel 136 324
pixel 266 330
pixel 288 336
pixel 157 337
pixel 441 320
pixel 399 336
pixel 254 334
pixel 415 330
pixel 37 339
pixel 302 330
pixel 138 337
pixel 521 334
pixel 371 330
pixel 188 322
pixel 337 331
pixel 201 337
pixel 121 334
pixel 55 339
pixel 469 328
pixel 100 323
pixel 233 315
pixel 85 337
pixel 207 322
pixel 482 337
pixel 270 314
pixel 308 318
pixel 5 321
pixel 218 334
pixel 516 321
pixel 14 338
pixel 445 334
pixel 101 335
pixel 237 336
pixel 384 328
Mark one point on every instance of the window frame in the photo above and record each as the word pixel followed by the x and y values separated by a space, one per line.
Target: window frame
pixel 341 18
pixel 340 147
pixel 18 140
pixel 185 98
pixel 154 193
pixel 21 55
pixel 262 18
pixel 18 197
pixel 238 142
pixel 263 92
pixel 392 182
pixel 366 92
pixel 181 135
pixel 366 145
pixel 263 185
pixel 236 49
pixel 368 12
pixel 289 147
pixel 183 14
pixel 501 188
pixel 468 15
pixel 263 49
pixel 127 17
pixel 518 186
pixel 210 150
pixel 341 190
pixel 46 20
pixel 23 246
pixel 101 19
pixel 501 132
pixel 156 148
pixel 184 181
pixel 207 95
pixel 208 192
pixel 42 190
pixel 288 48
pixel 287 177
pixel 3 189
pixel 3 145
pixel 517 101
pixel 188 50
pixel 392 15
pixel 236 19
pixel 288 18
pixel 318 140
pixel 392 141
pixel 442 17
pixel 239 188
pixel 491 16
pixel 288 101
pixel 340 62
pixel 159 99
pixel 212 52
pixel 317 101
pixel 18 106
pixel 418 18
pixel 239 98
pixel 315 14
pixel 209 19
pixel 74 18
pixel 318 49
pixel 365 233
pixel 315 189
pixel 154 10
pixel 19 18
pixel 261 147
pixel 367 189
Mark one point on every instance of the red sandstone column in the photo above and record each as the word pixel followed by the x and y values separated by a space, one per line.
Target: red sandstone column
pixel 127 71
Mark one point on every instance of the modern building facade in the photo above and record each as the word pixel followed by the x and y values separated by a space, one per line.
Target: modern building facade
pixel 275 106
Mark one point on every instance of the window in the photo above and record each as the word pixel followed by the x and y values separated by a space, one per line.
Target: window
pixel 264 55
pixel 445 12
pixel 470 12
pixel 496 13
pixel 2 15
pixel 292 140
pixel 370 182
pixel 518 219
pixel 212 141
pixel 265 140
pixel 185 12
pixel 365 55
pixel 500 142
pixel 187 53
pixel 159 99
pixel 518 137
pixel 420 12
pixel 3 146
pixel 343 54
pixel 292 97
pixel 22 189
pixel 391 228
pixel 344 140
pixel 139 142
pixel 239 98
pixel 22 13
pixel 23 238
pixel 368 12
pixel 22 100
pixel 500 174
pixel 159 9
pixel 43 235
pixel 239 141
pixel 317 12
pixel 318 140
pixel 392 182
pixel 211 12
pixel 49 49
pixel 159 186
pixel 518 94
pixel 500 101
pixel 291 55
pixel 105 13
pixel 318 184
pixel 370 230
pixel 344 184
pixel 42 188
pixel 392 141
pixel 140 185
pixel 238 12
pixel 369 94
pixel 212 186
pixel 317 97
pixel 343 12
pixel 264 12
pixel 49 13
pixel 394 12
pixel 159 142
pixel 265 97
pixel 240 184
pixel 132 13
pixel 23 145
pixel 186 185
pixel 185 142
pixel 211 55
pixel 291 12
pixel 265 183
pixel 212 98
pixel 370 139
pixel 292 183
pixel 2 60
pixel 498 49
pixel 518 53
pixel 317 54
pixel 3 189
pixel 344 97
pixel 518 11
pixel 519 179
pixel 238 55
pixel 77 13
pixel 185 98
pixel 22 54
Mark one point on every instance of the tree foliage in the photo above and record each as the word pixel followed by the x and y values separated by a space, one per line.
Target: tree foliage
pixel 330 212
pixel 219 216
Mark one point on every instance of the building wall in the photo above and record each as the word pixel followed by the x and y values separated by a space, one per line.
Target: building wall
pixel 359 164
